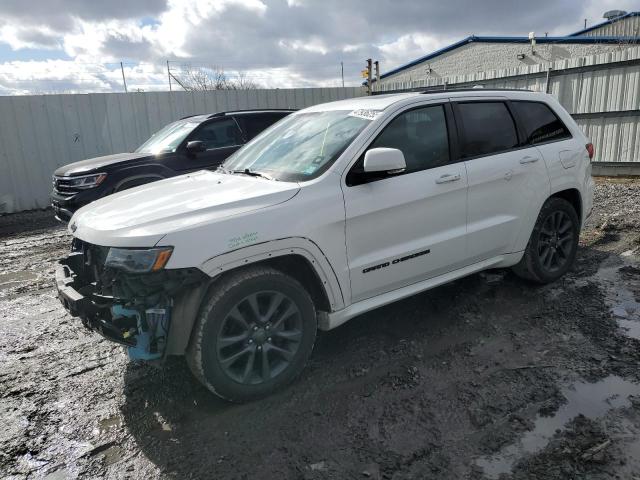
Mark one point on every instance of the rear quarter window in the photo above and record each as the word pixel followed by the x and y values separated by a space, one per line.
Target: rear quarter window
pixel 540 123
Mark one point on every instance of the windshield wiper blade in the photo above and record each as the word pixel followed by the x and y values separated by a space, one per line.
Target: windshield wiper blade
pixel 252 173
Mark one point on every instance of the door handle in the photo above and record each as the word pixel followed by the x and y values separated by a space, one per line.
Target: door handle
pixel 447 178
pixel 529 159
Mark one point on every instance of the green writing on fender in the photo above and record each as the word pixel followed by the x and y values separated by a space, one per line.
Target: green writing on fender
pixel 246 239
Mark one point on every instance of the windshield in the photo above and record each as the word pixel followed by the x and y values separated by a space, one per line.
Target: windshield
pixel 168 139
pixel 300 147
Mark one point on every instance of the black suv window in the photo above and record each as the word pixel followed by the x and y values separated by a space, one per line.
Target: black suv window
pixel 540 124
pixel 255 123
pixel 219 133
pixel 421 135
pixel 487 127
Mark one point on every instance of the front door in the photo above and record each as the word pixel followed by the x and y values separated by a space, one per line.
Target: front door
pixel 404 228
pixel 221 136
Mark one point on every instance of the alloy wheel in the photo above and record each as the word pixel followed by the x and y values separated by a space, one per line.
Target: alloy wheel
pixel 259 337
pixel 555 241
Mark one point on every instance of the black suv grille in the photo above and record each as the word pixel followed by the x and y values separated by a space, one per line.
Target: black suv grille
pixel 62 187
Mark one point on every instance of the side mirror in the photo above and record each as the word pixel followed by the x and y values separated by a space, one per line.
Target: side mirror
pixel 389 160
pixel 196 146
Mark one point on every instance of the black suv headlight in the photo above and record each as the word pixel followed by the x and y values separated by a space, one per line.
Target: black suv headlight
pixel 86 181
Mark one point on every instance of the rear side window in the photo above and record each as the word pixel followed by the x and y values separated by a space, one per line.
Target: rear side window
pixel 421 135
pixel 540 124
pixel 256 123
pixel 487 127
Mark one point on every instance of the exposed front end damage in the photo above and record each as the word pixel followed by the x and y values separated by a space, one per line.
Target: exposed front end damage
pixel 133 309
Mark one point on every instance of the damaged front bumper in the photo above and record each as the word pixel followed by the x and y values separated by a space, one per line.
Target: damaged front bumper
pixel 133 310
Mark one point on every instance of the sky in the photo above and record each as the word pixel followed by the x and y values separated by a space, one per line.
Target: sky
pixel 68 46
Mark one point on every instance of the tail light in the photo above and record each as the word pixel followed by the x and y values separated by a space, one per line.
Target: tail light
pixel 590 150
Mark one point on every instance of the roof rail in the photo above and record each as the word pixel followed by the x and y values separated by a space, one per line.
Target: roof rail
pixel 477 89
pixel 228 112
pixel 249 110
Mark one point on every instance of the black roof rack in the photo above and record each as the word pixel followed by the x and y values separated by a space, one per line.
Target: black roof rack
pixel 440 89
pixel 229 112
pixel 477 89
pixel 250 110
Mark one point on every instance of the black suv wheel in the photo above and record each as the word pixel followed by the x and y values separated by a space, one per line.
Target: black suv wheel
pixel 253 335
pixel 553 243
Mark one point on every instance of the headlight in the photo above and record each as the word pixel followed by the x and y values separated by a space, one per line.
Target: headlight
pixel 86 181
pixel 138 260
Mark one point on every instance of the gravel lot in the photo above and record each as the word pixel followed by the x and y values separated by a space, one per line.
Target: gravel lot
pixel 487 377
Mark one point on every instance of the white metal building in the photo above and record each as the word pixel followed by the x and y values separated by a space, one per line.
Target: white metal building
pixel 481 53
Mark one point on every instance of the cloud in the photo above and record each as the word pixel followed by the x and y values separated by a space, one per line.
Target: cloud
pixel 276 42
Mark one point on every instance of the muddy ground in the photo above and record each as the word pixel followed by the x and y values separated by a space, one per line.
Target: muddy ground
pixel 487 377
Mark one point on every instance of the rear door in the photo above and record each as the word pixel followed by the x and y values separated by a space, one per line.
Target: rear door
pixel 508 180
pixel 404 228
pixel 221 136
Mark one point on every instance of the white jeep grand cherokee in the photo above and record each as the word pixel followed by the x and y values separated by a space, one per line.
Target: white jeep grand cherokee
pixel 335 210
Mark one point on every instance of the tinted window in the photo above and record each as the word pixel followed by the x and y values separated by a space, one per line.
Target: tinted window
pixel 218 134
pixel 256 123
pixel 168 139
pixel 540 123
pixel 421 135
pixel 487 128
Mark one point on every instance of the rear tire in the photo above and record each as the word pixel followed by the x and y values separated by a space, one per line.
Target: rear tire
pixel 253 335
pixel 553 243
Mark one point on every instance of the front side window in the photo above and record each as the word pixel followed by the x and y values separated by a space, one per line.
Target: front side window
pixel 487 127
pixel 541 125
pixel 219 134
pixel 421 135
pixel 300 147
pixel 168 138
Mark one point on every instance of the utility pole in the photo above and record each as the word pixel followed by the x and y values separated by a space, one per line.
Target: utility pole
pixel 585 23
pixel 169 75
pixel 377 64
pixel 342 73
pixel 369 76
pixel 123 79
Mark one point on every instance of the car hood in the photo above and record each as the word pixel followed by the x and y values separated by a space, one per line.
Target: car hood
pixel 92 164
pixel 141 216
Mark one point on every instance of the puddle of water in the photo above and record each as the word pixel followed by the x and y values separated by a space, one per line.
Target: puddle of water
pixel 109 423
pixel 593 400
pixel 631 328
pixel 8 280
pixel 620 297
pixel 112 455
pixel 57 475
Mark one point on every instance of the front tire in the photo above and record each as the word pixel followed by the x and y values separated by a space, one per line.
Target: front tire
pixel 553 243
pixel 253 335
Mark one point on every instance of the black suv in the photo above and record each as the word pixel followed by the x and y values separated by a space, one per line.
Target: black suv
pixel 192 143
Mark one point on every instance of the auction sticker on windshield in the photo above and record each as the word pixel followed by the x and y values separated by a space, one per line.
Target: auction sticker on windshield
pixel 366 114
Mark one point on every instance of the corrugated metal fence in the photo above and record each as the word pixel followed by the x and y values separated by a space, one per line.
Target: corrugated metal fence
pixel 602 92
pixel 40 133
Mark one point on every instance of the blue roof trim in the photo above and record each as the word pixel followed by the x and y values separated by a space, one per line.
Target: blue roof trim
pixel 484 39
pixel 593 27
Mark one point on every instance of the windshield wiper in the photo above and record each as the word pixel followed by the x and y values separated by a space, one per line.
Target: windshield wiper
pixel 251 173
